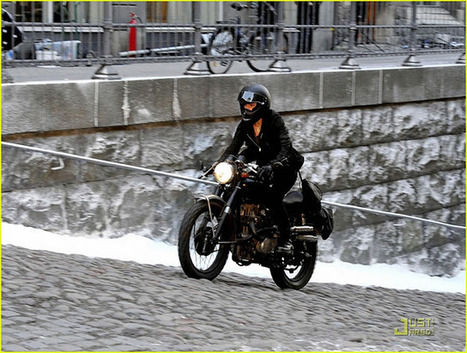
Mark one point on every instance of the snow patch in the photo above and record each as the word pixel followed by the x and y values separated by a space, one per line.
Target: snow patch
pixel 140 249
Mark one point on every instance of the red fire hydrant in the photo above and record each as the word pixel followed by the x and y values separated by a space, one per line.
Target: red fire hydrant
pixel 132 33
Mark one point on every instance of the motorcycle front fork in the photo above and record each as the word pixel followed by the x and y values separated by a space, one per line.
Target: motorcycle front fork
pixel 226 212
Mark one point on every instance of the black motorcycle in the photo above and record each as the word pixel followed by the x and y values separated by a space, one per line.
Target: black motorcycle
pixel 234 219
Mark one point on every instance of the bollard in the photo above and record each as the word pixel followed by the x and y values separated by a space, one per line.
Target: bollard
pixel 198 66
pixel 106 70
pixel 349 62
pixel 412 58
pixel 280 65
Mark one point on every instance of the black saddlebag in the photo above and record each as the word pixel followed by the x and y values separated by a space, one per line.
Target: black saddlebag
pixel 312 196
pixel 322 216
pixel 325 219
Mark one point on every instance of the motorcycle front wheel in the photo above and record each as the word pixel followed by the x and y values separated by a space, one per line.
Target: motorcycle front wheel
pixel 199 255
pixel 296 277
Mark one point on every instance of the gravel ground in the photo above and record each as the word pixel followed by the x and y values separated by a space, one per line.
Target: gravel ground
pixel 56 302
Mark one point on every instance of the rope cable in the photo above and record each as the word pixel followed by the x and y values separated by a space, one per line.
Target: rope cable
pixel 185 178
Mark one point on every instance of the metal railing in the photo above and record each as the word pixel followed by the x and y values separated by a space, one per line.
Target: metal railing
pixel 195 180
pixel 182 31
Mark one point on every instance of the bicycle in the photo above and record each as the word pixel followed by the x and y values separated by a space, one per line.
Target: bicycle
pixel 258 44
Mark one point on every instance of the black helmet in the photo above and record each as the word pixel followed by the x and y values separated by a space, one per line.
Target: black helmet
pixel 254 93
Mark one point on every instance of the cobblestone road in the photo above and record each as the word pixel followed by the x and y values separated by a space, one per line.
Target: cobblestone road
pixel 56 302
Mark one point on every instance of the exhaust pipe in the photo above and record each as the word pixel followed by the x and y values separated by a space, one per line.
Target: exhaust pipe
pixel 302 229
pixel 304 233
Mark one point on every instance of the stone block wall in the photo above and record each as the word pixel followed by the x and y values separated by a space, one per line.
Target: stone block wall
pixel 370 148
pixel 407 159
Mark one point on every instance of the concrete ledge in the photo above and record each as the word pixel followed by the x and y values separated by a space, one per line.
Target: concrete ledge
pixel 88 104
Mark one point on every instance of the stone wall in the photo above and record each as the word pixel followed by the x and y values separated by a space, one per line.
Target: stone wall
pixel 407 159
pixel 400 156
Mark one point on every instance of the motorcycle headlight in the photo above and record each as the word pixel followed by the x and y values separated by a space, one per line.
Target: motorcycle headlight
pixel 224 173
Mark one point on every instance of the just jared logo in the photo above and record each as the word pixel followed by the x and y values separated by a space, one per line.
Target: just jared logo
pixel 416 327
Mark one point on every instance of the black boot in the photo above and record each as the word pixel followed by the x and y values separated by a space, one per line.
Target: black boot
pixel 285 244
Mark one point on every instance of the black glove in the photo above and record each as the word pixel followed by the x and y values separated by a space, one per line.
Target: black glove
pixel 265 173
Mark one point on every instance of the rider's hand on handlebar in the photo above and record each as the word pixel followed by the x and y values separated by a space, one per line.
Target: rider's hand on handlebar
pixel 277 165
pixel 265 173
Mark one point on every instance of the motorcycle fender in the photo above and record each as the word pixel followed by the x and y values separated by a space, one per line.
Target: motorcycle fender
pixel 209 198
pixel 226 213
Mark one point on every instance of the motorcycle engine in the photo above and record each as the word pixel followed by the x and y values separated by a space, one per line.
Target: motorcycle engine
pixel 266 246
pixel 253 218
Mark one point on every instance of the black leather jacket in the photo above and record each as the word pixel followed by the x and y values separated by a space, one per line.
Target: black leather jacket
pixel 272 145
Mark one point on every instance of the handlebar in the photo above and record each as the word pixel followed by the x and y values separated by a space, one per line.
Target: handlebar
pixel 238 7
pixel 207 172
pixel 240 161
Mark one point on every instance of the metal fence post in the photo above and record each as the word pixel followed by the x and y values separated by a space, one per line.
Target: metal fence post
pixel 412 59
pixel 461 58
pixel 349 62
pixel 106 71
pixel 6 77
pixel 198 66
pixel 279 65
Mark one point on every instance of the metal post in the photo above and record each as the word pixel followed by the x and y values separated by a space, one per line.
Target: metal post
pixel 412 59
pixel 106 70
pixel 279 65
pixel 6 77
pixel 461 59
pixel 349 62
pixel 198 66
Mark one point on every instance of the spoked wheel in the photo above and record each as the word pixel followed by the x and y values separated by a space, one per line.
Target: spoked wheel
pixel 265 44
pixel 296 277
pixel 221 45
pixel 200 256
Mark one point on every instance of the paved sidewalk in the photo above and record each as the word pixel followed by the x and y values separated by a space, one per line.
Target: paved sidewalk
pixel 145 70
pixel 56 302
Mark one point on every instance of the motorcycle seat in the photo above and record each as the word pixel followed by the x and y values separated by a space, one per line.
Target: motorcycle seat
pixel 293 197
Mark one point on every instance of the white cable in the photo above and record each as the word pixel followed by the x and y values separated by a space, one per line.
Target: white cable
pixel 171 175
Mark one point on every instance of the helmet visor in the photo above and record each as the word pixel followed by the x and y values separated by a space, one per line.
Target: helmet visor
pixel 246 97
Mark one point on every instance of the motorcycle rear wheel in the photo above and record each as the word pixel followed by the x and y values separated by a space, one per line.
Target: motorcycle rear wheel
pixel 198 255
pixel 300 277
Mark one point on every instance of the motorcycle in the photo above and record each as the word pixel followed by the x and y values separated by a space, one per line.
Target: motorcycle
pixel 234 219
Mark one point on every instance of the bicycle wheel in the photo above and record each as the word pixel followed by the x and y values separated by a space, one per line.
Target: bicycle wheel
pixel 222 43
pixel 264 44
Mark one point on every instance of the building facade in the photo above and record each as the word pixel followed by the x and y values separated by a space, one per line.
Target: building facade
pixel 313 27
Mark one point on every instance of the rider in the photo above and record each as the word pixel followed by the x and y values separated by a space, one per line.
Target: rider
pixel 268 143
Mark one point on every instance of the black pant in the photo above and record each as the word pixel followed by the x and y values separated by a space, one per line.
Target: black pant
pixel 282 182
